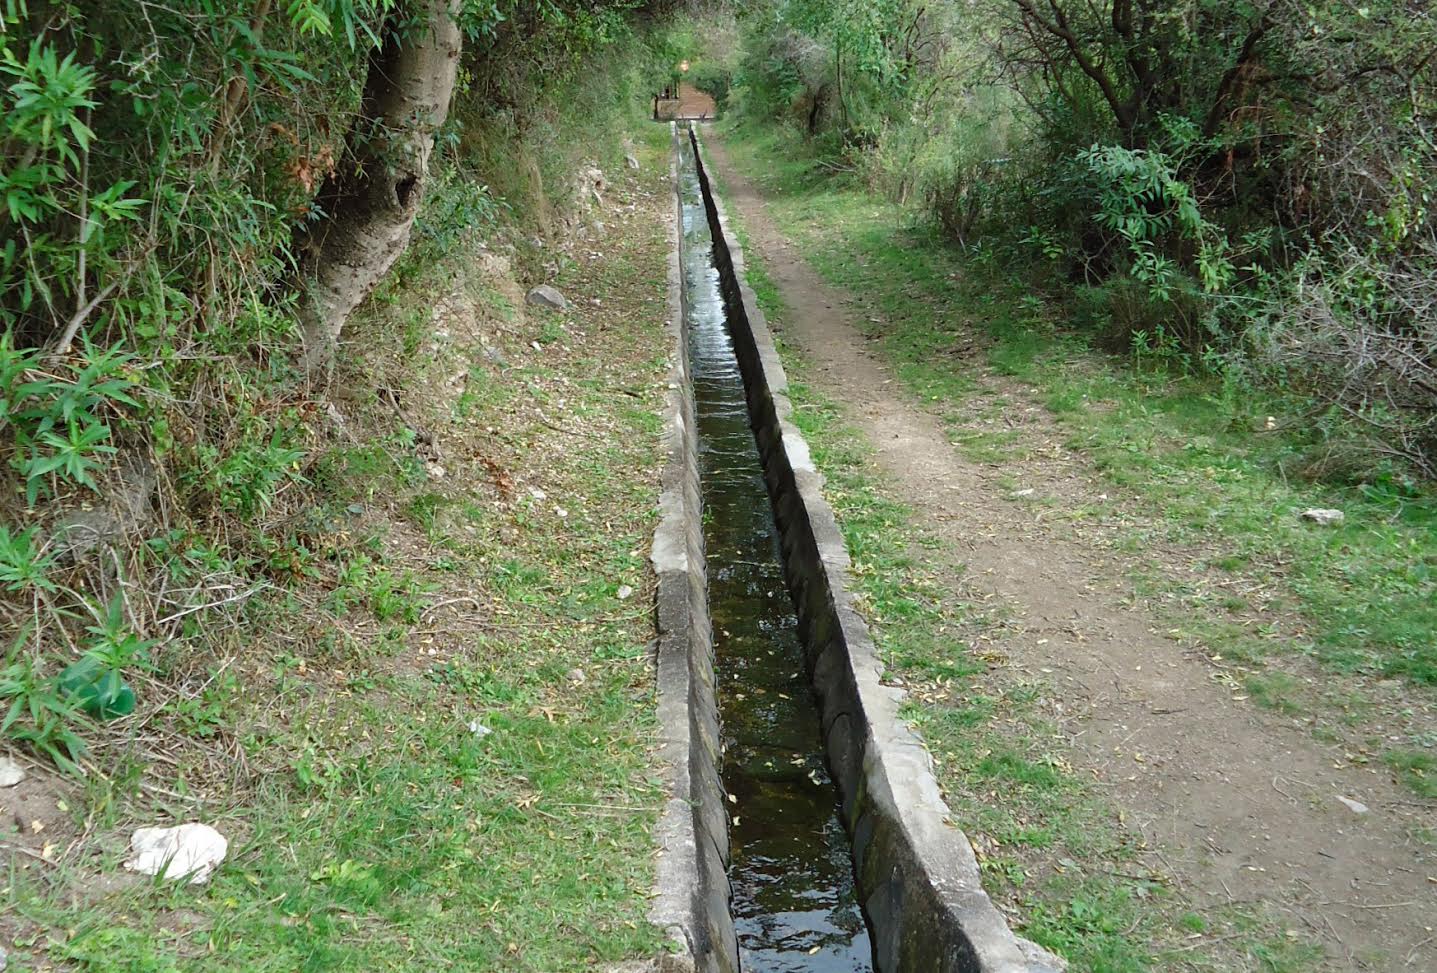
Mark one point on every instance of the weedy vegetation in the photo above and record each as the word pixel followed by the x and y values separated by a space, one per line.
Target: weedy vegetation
pixel 325 610
pixel 1221 461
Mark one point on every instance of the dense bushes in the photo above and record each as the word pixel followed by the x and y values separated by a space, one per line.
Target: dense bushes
pixel 162 451
pixel 1248 185
pixel 156 162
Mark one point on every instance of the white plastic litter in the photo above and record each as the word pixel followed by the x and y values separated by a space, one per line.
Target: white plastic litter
pixel 11 773
pixel 193 850
pixel 479 729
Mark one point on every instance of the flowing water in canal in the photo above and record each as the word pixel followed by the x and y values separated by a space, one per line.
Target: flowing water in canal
pixel 793 898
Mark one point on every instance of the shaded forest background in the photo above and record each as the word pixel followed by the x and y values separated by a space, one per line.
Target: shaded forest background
pixel 1241 188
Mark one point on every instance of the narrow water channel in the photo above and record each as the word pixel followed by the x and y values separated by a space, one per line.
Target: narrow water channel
pixel 794 905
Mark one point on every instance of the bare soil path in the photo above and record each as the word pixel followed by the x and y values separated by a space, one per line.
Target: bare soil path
pixel 1232 801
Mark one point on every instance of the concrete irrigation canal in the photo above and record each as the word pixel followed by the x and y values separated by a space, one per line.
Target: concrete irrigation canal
pixel 791 876
pixel 805 832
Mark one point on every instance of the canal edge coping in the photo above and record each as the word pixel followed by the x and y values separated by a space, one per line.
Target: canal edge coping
pixel 691 890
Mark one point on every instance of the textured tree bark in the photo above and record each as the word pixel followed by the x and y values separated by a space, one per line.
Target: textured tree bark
pixel 371 199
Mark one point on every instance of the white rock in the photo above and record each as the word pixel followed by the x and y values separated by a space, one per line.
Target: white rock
pixel 1356 807
pixel 479 729
pixel 1323 516
pixel 625 592
pixel 592 183
pixel 193 850
pixel 11 773
pixel 1025 493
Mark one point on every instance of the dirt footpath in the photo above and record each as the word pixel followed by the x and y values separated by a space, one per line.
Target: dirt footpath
pixel 1232 801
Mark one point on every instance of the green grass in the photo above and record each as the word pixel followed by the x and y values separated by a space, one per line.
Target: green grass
pixel 376 829
pixel 396 838
pixel 1417 768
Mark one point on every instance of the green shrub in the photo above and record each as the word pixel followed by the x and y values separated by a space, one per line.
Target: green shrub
pixel 159 165
pixel 1284 227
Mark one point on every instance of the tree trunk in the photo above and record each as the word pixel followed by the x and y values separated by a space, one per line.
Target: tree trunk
pixel 371 200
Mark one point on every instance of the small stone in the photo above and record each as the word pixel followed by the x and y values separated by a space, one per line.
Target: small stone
pixel 625 592
pixel 11 773
pixel 536 493
pixel 189 850
pixel 1324 517
pixel 546 296
pixel 561 513
pixel 1025 493
pixel 1356 807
